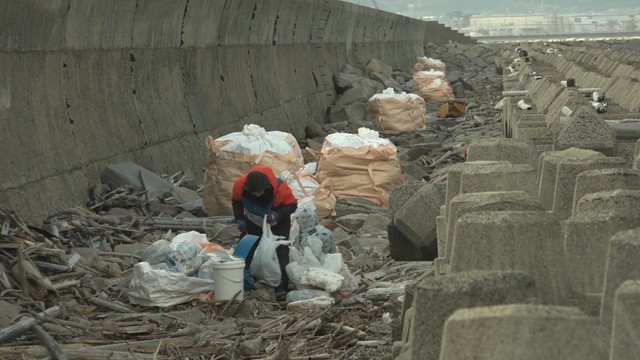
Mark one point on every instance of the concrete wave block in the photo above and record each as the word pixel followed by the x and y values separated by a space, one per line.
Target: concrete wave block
pixel 587 130
pixel 548 169
pixel 128 173
pixel 455 174
pixel 586 242
pixel 528 241
pixel 616 200
pixel 497 177
pixel 523 332
pixel 626 322
pixel 622 265
pixel 416 220
pixel 499 149
pixel 438 297
pixel 485 201
pixel 592 181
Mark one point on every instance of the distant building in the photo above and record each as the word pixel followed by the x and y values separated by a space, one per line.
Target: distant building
pixel 537 24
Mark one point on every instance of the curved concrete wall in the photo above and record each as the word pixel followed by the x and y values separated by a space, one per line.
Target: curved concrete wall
pixel 87 83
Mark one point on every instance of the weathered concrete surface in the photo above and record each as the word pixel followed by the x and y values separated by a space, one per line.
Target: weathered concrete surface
pixel 626 322
pixel 436 298
pixel 511 150
pixel 416 220
pixel 89 83
pixel 523 332
pixel 586 243
pixel 615 200
pixel 586 130
pixel 604 180
pixel 454 176
pixel 622 265
pixel 485 201
pixel 527 241
pixel 496 177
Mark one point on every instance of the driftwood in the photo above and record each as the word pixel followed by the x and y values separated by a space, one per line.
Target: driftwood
pixel 18 329
pixel 48 341
pixel 111 305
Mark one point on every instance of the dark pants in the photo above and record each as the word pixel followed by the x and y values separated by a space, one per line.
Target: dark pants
pixel 280 229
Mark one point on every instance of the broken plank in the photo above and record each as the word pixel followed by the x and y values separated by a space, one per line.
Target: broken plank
pixel 84 354
pixel 14 330
pixel 111 305
pixel 52 346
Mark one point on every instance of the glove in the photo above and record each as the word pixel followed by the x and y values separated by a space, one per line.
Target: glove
pixel 242 225
pixel 272 217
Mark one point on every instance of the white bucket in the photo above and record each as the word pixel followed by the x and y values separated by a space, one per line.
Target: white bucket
pixel 228 278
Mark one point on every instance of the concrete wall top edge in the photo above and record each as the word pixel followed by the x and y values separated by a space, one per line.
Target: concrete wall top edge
pixel 38 25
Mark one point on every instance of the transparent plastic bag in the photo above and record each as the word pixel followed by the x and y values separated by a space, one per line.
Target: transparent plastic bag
pixel 305 294
pixel 157 252
pixel 335 263
pixel 185 259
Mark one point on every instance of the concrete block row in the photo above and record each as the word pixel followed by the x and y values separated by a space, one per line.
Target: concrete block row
pixel 549 274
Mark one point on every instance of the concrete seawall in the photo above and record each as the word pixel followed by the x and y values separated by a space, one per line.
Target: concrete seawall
pixel 88 83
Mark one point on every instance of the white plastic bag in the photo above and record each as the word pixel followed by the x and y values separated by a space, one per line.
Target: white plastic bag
pixel 335 263
pixel 255 140
pixel 162 288
pixel 265 264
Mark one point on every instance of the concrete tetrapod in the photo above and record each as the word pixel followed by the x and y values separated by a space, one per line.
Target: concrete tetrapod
pixel 616 200
pixel 485 201
pixel 522 332
pixel 528 241
pixel 499 149
pixel 436 298
pixel 626 322
pixel 586 243
pixel 592 181
pixel 454 176
pixel 496 177
pixel 622 265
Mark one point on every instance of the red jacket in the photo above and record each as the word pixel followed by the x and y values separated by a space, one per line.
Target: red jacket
pixel 282 194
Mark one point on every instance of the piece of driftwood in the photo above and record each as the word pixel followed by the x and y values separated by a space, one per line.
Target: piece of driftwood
pixel 18 329
pixel 52 346
pixel 111 305
pixel 38 351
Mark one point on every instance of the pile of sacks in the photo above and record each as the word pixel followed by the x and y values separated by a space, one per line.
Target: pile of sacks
pixel 359 165
pixel 429 80
pixel 233 155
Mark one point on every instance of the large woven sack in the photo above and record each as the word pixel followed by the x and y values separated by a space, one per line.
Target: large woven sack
pixel 397 113
pixel 233 155
pixel 304 183
pixel 427 63
pixel 437 90
pixel 360 166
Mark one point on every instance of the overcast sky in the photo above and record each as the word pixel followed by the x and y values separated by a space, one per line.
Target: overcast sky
pixel 418 8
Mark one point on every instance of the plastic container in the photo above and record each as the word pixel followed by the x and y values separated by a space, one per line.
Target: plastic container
pixel 228 278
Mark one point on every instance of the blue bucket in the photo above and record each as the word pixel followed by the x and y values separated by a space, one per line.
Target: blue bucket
pixel 244 246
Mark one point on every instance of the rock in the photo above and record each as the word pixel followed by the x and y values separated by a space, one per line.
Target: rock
pixel 339 234
pixel 453 76
pixel 355 94
pixel 386 80
pixel 347 114
pixel 128 173
pixel 184 195
pixel 402 74
pixel 458 90
pixel 375 65
pixel 414 171
pixel 345 81
pixel 350 69
pixel 338 126
pixel 251 347
pixel 352 222
pixel 376 221
pixel 314 130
